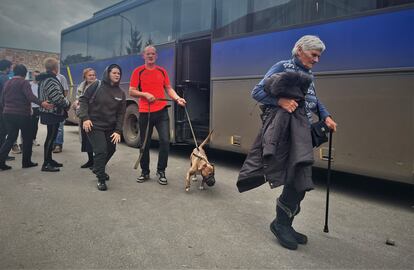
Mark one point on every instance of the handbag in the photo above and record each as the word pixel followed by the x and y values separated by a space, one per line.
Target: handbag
pixel 319 131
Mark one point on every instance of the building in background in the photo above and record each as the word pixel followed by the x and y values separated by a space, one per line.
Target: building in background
pixel 32 59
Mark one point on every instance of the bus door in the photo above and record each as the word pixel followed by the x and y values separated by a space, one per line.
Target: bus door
pixel 193 83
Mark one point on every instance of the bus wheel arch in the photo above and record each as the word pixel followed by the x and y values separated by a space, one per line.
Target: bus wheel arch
pixel 130 128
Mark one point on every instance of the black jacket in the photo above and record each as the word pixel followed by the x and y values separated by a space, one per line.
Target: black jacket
pixel 282 152
pixel 106 109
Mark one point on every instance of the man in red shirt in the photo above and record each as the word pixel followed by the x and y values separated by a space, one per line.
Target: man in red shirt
pixel 149 83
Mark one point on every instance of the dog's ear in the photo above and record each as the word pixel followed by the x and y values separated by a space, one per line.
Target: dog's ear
pixel 202 166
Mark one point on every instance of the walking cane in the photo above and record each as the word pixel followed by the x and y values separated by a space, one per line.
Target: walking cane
pixel 328 182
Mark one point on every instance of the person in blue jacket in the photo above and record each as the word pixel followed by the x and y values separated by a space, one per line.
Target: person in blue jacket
pixel 305 54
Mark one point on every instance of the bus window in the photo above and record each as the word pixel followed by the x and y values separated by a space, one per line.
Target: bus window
pixel 390 3
pixel 231 17
pixel 149 23
pixel 195 16
pixel 104 40
pixel 245 16
pixel 331 9
pixel 74 47
pixel 268 14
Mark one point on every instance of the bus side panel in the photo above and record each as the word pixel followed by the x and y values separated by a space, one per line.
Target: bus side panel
pixel 375 113
pixel 234 115
pixel 375 120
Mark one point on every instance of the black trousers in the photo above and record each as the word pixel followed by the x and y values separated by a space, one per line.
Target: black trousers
pixel 52 131
pixel 14 123
pixel 35 122
pixel 103 149
pixel 291 197
pixel 161 121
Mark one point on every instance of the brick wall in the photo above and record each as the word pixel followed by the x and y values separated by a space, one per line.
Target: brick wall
pixel 33 60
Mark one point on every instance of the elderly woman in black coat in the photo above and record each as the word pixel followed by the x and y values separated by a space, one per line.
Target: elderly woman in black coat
pixel 282 152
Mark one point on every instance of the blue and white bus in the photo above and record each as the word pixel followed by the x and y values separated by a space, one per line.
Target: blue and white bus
pixel 215 51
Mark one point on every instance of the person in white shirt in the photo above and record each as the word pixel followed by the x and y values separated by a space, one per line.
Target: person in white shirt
pixel 35 108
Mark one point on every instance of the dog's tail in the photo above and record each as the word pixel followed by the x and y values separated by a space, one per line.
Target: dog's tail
pixel 206 140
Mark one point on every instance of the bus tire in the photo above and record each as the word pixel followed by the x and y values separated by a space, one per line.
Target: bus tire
pixel 130 130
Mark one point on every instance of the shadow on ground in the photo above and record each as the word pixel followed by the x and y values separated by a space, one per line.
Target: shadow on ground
pixel 390 192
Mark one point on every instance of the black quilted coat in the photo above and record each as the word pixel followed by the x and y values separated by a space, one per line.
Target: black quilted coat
pixel 282 152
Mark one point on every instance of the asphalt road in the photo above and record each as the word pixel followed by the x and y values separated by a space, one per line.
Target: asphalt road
pixel 60 220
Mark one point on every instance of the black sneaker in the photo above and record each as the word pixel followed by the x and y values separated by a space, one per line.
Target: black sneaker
pixel 144 177
pixel 162 180
pixel 102 186
pixel 4 167
pixel 49 168
pixel 29 164
pixel 56 164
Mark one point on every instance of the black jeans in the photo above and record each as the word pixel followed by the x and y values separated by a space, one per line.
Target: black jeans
pixel 52 131
pixel 161 121
pixel 35 122
pixel 103 149
pixel 14 123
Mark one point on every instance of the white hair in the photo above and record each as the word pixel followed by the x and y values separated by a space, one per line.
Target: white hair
pixel 307 43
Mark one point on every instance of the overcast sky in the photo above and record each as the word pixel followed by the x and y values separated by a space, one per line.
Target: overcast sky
pixel 36 24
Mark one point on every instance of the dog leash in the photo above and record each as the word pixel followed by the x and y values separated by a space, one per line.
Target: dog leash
pixel 144 144
pixel 191 127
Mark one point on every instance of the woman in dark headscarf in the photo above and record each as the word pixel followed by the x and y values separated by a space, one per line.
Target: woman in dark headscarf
pixel 102 109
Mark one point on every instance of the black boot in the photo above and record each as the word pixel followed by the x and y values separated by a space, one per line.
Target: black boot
pixel 289 202
pixel 300 237
pixel 281 227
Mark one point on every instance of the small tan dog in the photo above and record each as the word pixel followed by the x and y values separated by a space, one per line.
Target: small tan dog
pixel 200 165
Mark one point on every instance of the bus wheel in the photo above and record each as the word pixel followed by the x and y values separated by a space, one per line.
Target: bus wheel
pixel 130 129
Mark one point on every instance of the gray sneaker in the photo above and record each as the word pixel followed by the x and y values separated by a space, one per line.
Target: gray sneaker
pixel 144 177
pixel 162 180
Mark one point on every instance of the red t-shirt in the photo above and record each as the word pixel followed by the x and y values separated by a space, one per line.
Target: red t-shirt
pixel 152 81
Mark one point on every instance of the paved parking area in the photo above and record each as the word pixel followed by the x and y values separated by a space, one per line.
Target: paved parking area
pixel 60 220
